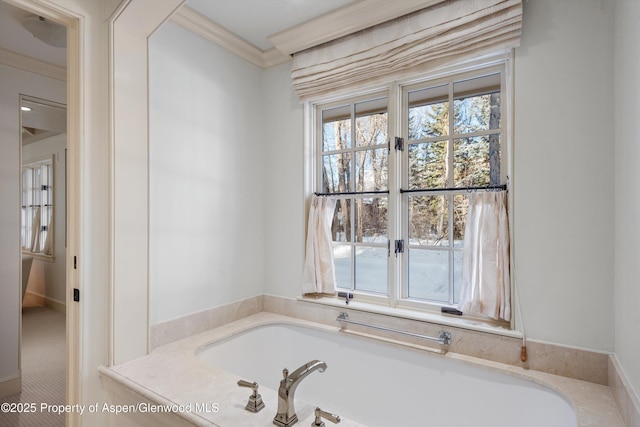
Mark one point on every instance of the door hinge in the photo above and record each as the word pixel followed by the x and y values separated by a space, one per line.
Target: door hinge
pixel 75 262
pixel 76 294
pixel 399 146
pixel 399 247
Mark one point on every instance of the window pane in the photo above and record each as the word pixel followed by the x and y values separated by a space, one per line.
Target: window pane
pixel 428 165
pixel 460 209
pixel 37 183
pixel 336 129
pixel 477 104
pixel 47 179
pixel 371 220
pixel 37 199
pixel 342 262
pixel 372 169
pixel 371 123
pixel 25 227
pixel 429 112
pixel 336 173
pixel 371 269
pixel 26 173
pixel 429 220
pixel 341 225
pixel 44 222
pixel 477 161
pixel 429 274
pixel 457 275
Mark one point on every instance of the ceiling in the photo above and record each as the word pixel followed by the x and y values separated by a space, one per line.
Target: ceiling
pixel 256 20
pixel 42 119
pixel 251 20
pixel 259 27
pixel 15 38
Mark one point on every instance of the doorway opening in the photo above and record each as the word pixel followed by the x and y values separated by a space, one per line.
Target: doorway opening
pixel 46 181
pixel 43 135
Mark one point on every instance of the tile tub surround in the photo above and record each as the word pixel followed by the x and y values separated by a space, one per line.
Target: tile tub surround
pixel 172 373
pixel 176 329
pixel 551 358
pixel 627 400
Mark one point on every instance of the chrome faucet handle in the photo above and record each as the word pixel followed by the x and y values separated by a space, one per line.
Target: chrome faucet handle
pixel 319 413
pixel 255 402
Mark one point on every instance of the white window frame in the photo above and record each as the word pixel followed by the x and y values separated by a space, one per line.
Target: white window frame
pixel 404 300
pixel 28 195
pixel 363 295
pixel 396 302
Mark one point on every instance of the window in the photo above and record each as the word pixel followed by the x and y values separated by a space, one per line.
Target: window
pixel 453 143
pixel 401 177
pixel 37 208
pixel 355 163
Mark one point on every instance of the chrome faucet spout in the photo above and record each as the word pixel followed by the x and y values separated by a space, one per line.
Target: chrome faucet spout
pixel 303 371
pixel 286 415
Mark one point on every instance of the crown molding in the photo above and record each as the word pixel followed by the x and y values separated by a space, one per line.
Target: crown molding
pixel 343 21
pixel 32 65
pixel 192 21
pixel 340 22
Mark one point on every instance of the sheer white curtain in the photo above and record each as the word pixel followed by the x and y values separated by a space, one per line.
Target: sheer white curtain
pixel 486 286
pixel 48 242
pixel 35 231
pixel 319 273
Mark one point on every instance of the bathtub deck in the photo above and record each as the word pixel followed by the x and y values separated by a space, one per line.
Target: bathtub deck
pixel 172 374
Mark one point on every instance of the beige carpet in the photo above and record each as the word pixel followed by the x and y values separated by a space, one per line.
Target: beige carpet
pixel 43 369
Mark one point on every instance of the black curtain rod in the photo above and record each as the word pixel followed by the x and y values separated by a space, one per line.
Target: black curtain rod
pixel 352 193
pixel 421 190
pixel 486 188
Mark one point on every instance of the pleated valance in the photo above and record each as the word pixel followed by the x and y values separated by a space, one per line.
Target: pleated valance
pixel 443 34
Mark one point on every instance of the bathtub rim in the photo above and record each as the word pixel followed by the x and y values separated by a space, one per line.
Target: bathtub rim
pixel 585 398
pixel 428 351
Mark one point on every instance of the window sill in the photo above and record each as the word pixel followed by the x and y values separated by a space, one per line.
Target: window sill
pixel 41 257
pixel 429 317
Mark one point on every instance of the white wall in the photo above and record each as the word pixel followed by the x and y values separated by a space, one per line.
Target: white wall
pixel 48 278
pixel 627 188
pixel 14 83
pixel 208 153
pixel 284 205
pixel 563 172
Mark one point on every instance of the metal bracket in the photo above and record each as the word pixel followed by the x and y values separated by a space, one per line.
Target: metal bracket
pixel 348 296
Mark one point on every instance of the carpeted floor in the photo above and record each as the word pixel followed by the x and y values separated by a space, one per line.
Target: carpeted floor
pixel 43 369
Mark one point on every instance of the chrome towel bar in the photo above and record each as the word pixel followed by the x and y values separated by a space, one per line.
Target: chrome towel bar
pixel 443 338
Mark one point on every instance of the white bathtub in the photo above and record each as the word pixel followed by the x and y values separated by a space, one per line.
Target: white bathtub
pixel 367 382
pixel 382 385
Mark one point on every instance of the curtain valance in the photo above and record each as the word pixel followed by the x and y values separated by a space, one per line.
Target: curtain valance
pixel 452 31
